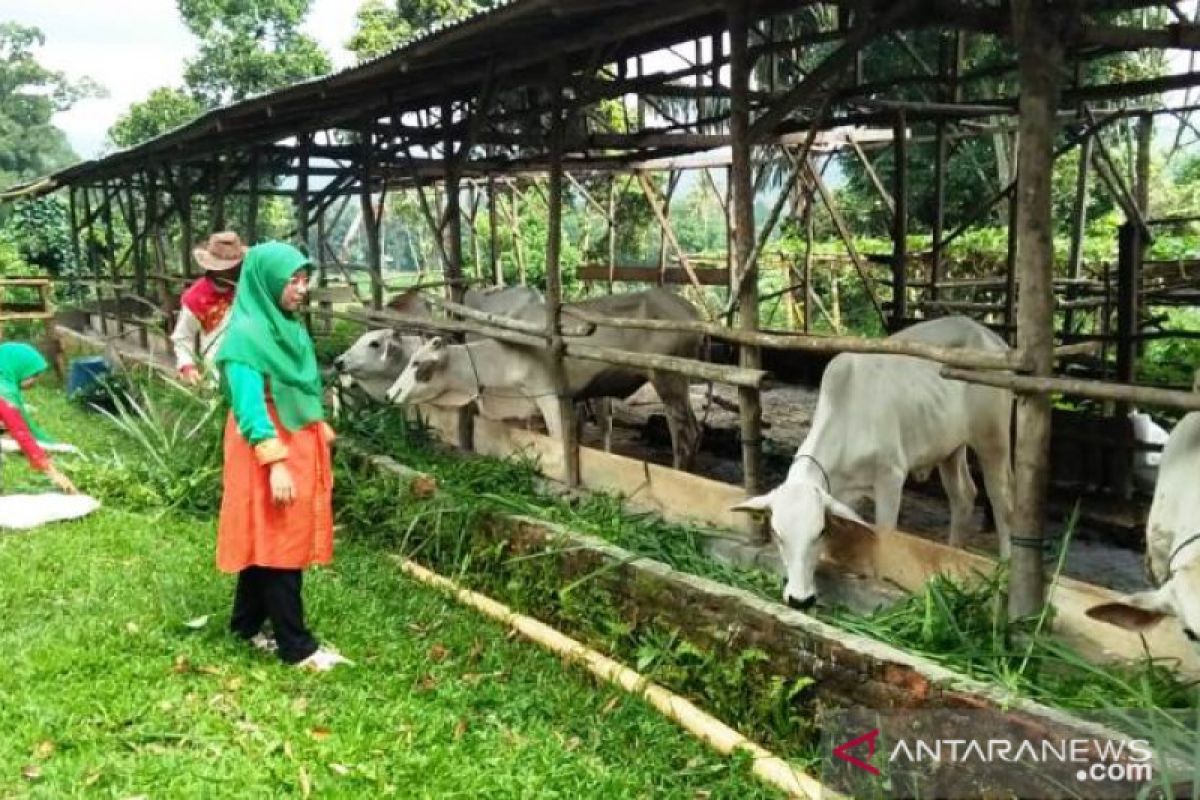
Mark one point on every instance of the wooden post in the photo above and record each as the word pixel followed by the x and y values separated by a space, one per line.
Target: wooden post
pixel 900 225
pixel 96 268
pixel 141 241
pixel 452 246
pixel 322 273
pixel 494 234
pixel 75 251
pixel 1010 262
pixel 111 250
pixel 570 429
pixel 217 221
pixel 612 230
pixel 1040 64
pixel 252 198
pixel 183 205
pixel 809 235
pixel 1145 138
pixel 1078 225
pixel 370 223
pixel 300 201
pixel 741 188
pixel 1129 260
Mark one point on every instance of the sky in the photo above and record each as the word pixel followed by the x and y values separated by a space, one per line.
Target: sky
pixel 135 49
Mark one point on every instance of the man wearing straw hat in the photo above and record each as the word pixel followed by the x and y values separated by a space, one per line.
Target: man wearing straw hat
pixel 204 307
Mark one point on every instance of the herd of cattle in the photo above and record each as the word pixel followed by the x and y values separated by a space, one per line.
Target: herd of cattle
pixel 879 419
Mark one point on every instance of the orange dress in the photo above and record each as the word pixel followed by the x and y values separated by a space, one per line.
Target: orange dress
pixel 253 530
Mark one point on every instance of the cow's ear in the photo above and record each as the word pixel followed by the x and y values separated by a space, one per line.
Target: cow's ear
pixel 758 506
pixel 1136 612
pixel 437 343
pixel 840 509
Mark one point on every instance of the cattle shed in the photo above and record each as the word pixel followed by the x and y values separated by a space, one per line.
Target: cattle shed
pixel 563 91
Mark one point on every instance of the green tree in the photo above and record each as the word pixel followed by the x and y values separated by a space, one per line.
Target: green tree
pixel 248 47
pixel 30 95
pixel 383 25
pixel 164 109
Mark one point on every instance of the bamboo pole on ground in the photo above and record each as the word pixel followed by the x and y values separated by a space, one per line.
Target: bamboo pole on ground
pixel 1040 63
pixel 769 768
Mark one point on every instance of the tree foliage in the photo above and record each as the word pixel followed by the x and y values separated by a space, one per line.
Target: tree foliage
pixel 383 25
pixel 30 95
pixel 164 109
pixel 248 47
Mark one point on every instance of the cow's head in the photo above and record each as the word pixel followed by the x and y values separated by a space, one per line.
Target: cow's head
pixel 1178 596
pixel 376 355
pixel 426 379
pixel 797 513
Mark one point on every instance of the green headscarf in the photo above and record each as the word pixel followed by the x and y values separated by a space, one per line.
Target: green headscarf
pixel 19 362
pixel 272 341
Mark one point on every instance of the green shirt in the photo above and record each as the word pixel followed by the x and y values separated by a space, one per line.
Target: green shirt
pixel 248 398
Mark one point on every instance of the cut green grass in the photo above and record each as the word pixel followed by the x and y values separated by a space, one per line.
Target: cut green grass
pixel 108 690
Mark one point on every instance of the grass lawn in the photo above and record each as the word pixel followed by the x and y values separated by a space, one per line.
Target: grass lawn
pixel 108 691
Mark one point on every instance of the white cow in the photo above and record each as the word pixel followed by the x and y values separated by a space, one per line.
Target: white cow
pixel 1172 542
pixel 1146 462
pixel 878 419
pixel 498 376
pixel 378 357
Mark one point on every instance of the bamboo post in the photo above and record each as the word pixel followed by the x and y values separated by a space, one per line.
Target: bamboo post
pixel 252 197
pixel 94 264
pixel 1145 139
pixel 111 250
pixel 323 273
pixel 183 205
pixel 217 221
pixel 1010 262
pixel 809 235
pixel 1129 257
pixel 612 231
pixel 741 188
pixel 452 247
pixel 494 234
pixel 370 222
pixel 1040 63
pixel 900 224
pixel 1078 224
pixel 566 408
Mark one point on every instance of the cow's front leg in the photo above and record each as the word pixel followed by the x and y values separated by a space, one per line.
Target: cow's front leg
pixel 677 404
pixel 997 478
pixel 552 414
pixel 960 490
pixel 889 492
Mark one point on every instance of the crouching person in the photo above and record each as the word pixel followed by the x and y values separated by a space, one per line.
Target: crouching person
pixel 20 367
pixel 277 507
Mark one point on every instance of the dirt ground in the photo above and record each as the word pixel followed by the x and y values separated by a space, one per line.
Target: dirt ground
pixel 640 431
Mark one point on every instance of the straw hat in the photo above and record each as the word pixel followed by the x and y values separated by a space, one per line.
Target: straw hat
pixel 223 251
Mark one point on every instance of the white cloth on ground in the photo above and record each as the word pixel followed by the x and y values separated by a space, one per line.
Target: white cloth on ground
pixel 7 445
pixel 28 511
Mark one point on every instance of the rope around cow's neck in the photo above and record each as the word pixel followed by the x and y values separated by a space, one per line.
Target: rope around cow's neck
pixel 824 474
pixel 1171 558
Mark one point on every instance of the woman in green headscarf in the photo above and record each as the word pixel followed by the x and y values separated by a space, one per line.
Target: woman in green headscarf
pixel 277 506
pixel 20 366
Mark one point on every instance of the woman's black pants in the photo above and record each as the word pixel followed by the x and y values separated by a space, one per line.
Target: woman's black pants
pixel 266 593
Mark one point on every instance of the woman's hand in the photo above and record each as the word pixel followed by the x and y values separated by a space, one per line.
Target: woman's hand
pixel 283 488
pixel 190 375
pixel 61 481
